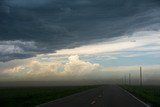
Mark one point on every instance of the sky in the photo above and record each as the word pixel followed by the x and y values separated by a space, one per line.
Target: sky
pixel 82 41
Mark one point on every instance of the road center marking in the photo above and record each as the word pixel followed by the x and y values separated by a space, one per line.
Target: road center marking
pixel 93 102
pixel 100 96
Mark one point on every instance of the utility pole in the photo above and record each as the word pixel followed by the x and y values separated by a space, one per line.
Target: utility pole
pixel 140 76
pixel 129 79
pixel 122 81
pixel 125 80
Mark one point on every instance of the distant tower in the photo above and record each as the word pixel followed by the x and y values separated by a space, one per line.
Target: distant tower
pixel 122 81
pixel 140 76
pixel 129 79
pixel 125 80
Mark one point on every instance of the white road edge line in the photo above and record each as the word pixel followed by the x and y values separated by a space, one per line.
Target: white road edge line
pixel 134 97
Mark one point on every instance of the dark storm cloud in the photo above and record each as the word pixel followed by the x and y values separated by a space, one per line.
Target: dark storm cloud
pixel 28 3
pixel 57 24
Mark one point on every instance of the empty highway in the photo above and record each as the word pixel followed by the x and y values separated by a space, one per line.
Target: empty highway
pixel 105 96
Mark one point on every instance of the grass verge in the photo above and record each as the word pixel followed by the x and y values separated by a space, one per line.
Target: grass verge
pixel 32 96
pixel 149 94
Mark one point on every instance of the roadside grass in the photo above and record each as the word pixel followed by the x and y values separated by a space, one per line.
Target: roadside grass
pixel 32 96
pixel 149 94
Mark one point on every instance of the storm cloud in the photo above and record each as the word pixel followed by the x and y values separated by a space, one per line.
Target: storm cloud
pixel 59 24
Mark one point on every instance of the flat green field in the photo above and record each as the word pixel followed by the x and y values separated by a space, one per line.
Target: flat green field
pixel 149 94
pixel 32 96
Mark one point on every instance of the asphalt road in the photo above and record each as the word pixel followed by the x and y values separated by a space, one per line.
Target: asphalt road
pixel 106 96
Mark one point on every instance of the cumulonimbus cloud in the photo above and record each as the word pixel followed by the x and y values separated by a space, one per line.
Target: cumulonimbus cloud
pixel 72 69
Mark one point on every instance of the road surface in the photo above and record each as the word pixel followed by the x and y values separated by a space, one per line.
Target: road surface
pixel 105 96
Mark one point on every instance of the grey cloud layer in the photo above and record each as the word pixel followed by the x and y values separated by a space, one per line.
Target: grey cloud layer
pixel 14 49
pixel 57 24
